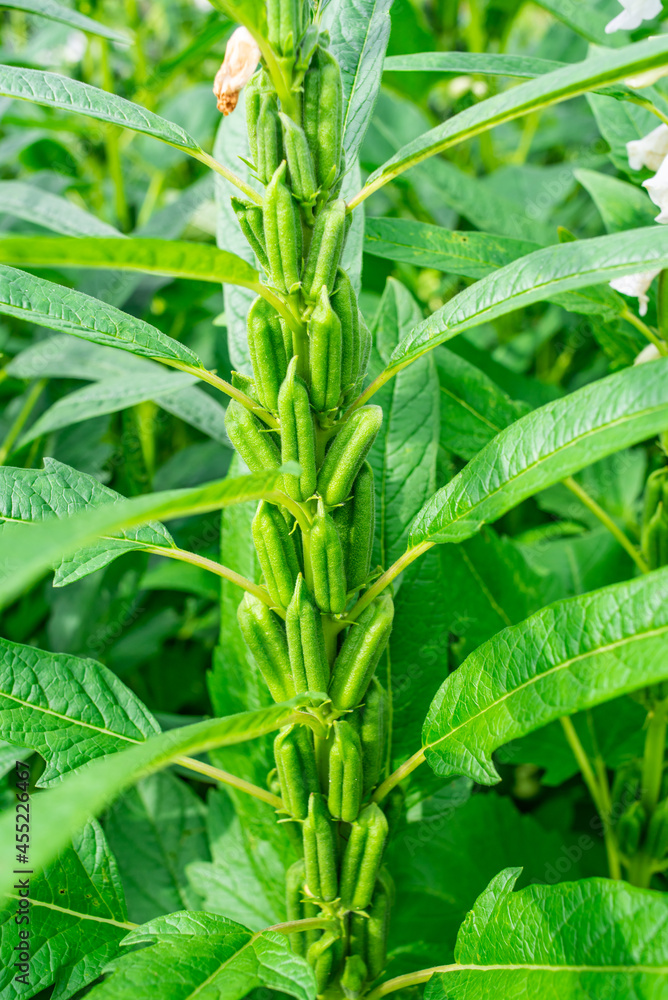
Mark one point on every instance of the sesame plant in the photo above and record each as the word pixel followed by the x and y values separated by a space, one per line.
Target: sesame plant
pixel 384 710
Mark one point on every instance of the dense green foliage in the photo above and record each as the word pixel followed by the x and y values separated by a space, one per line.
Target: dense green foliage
pixel 333 492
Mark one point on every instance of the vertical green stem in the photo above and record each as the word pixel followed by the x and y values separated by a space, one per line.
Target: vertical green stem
pixel 607 521
pixel 19 422
pixel 112 145
pixel 598 798
pixel 652 768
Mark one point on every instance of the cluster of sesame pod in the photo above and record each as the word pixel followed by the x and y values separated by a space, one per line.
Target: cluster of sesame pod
pixel 315 548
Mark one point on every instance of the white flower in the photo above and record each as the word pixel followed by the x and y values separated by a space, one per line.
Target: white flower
pixel 657 188
pixel 649 353
pixel 649 151
pixel 241 58
pixel 633 15
pixel 637 286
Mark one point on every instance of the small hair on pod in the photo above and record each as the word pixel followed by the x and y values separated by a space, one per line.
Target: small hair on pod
pixel 241 58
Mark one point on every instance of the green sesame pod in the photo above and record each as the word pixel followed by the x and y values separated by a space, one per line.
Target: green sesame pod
pixel 251 438
pixel 249 218
pixel 356 524
pixel 298 907
pixel 300 162
pixel 297 770
pixel 306 642
pixel 378 925
pixel 345 773
pixel 276 551
pixel 269 139
pixel 653 493
pixel 297 435
pixel 657 832
pixel 344 304
pixel 371 722
pixel 264 635
pixel 354 977
pixel 323 115
pixel 360 652
pixel 324 332
pixel 284 24
pixel 320 850
pixel 243 382
pixel 362 858
pixel 324 253
pixel 652 538
pixel 267 352
pixel 347 453
pixel 282 233
pixel 329 578
pixel 626 785
pixel 253 101
pixel 630 828
pixel 325 956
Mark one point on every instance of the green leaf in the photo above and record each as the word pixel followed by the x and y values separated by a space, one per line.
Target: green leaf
pixel 234 681
pixel 478 63
pixel 198 261
pixel 208 956
pixel 106 396
pixel 620 122
pixel 590 938
pixel 58 813
pixel 28 202
pixel 174 393
pixel 442 187
pixel 588 18
pixel 441 862
pixel 77 920
pixel 121 379
pixel 571 655
pixel 251 13
pixel 232 149
pixel 28 552
pixel 622 205
pixel 560 85
pixel 545 446
pixel 68 709
pixel 57 491
pixel 359 30
pixel 65 15
pixel 404 455
pixel 245 879
pixel 38 301
pixel 470 254
pixel 534 278
pixel 473 407
pixel 613 731
pixel 61 92
pixel 489 584
pixel 155 830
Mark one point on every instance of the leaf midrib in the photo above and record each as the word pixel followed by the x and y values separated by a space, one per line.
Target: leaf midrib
pixel 68 718
pixel 563 665
pixel 76 913
pixel 458 327
pixel 653 970
pixel 467 406
pixel 637 415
